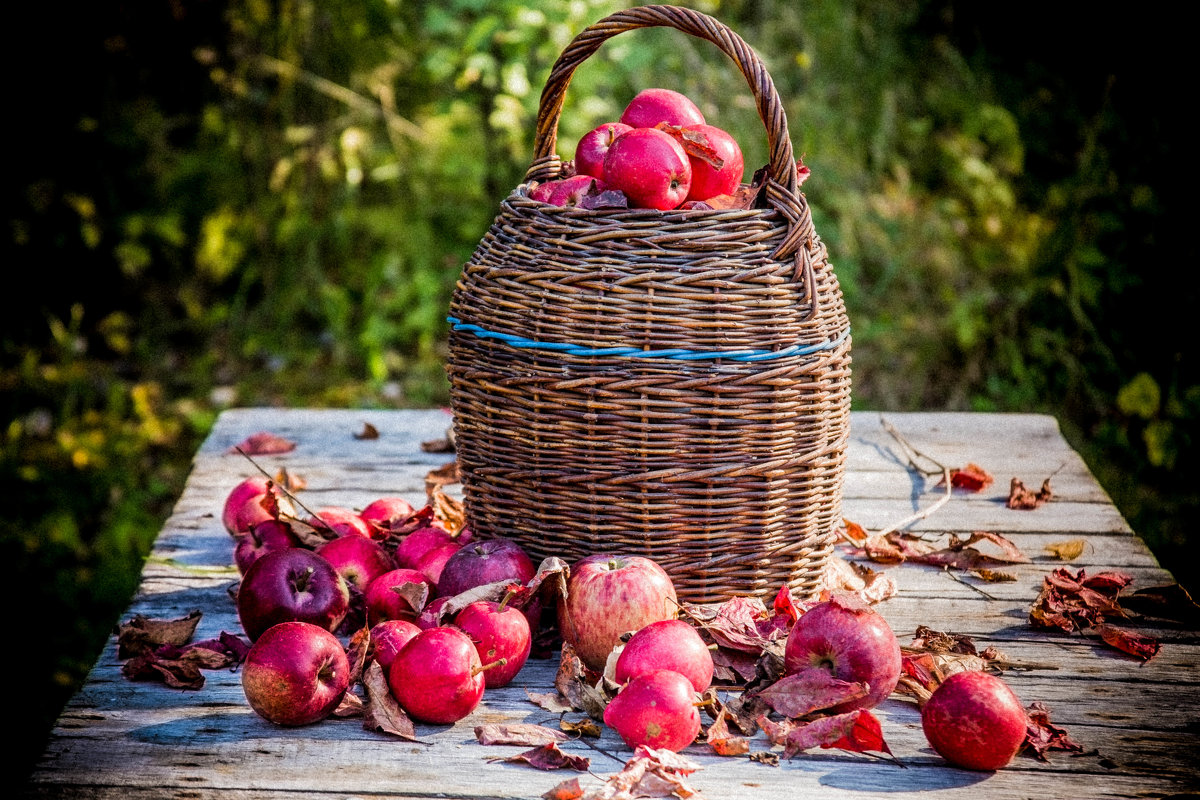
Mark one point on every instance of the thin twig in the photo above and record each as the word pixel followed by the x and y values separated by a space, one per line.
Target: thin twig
pixel 912 453
pixel 920 515
pixel 283 488
pixel 947 571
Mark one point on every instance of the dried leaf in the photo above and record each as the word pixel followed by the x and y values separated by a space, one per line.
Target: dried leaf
pixel 809 690
pixel 995 575
pixel 553 702
pixel 694 143
pixel 290 480
pixel 959 554
pixel 858 731
pixel 1077 602
pixel 852 532
pixel 765 757
pixel 1041 735
pixel 971 478
pixel 356 652
pixel 520 733
pixel 173 672
pixel 1068 550
pixel 142 633
pixel 1136 644
pixel 1022 498
pixel 448 511
pixel 263 443
pixel 351 705
pixel 608 198
pixel 381 712
pixel 583 727
pixel 723 742
pixel 1171 601
pixel 567 790
pixel 548 757
pixel 368 431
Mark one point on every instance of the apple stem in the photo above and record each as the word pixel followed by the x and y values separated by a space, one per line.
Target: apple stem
pixel 504 602
pixel 498 663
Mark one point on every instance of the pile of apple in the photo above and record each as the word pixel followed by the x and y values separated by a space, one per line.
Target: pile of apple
pixel 619 615
pixel 660 154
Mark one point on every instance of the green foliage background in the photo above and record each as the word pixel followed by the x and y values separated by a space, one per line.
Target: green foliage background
pixel 249 202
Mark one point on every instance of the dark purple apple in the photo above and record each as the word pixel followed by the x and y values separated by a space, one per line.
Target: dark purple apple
pixel 397 594
pixel 261 538
pixel 655 709
pixel 437 677
pixel 296 673
pixel 291 584
pixel 358 559
pixel 610 595
pixel 850 639
pixel 484 562
pixel 501 634
pixel 387 637
pixel 667 644
pixel 432 561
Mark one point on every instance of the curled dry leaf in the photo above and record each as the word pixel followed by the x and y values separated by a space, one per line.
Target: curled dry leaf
pixel 1136 644
pixel 521 733
pixel 289 480
pixel 381 712
pixel 263 443
pixel 650 773
pixel 858 731
pixel 368 431
pixel 584 727
pixel 1041 735
pixel 722 741
pixel 351 705
pixel 971 478
pixel 1019 497
pixel 567 790
pixel 810 690
pixel 553 702
pixel 994 575
pixel 142 633
pixel 548 757
pixel 1068 550
pixel 1171 601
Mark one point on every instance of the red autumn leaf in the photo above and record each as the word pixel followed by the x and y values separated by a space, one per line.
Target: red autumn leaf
pixel 852 532
pixel 1041 735
pixel 722 741
pixel 734 623
pixel 802 172
pixel 549 757
pixel 959 554
pixel 972 478
pixel 855 730
pixel 1137 644
pixel 866 735
pixel 263 443
pixel 1078 601
pixel 785 605
pixel 694 143
pixel 567 790
pixel 519 733
pixel 809 690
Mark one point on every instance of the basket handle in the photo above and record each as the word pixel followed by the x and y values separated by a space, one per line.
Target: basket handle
pixel 783 185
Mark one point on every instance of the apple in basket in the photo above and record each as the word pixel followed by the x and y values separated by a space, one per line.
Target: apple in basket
pixel 651 167
pixel 291 584
pixel 708 179
pixel 295 673
pixel 852 641
pixel 571 191
pixel 652 106
pixel 610 595
pixel 593 145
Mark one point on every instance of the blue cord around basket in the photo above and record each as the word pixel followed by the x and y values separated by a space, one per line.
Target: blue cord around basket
pixel 633 352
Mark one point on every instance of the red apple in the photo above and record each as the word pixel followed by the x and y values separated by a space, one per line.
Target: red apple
pixel 339 521
pixel 387 637
pixel 650 167
pixel 652 106
pixel 357 559
pixel 609 595
pixel 260 539
pixel 291 584
pixel 543 190
pixel 708 180
pixel 397 594
pixel 243 492
pixel 296 673
pixel 431 616
pixel 974 721
pixel 593 145
pixel 850 639
pixel 667 644
pixel 248 503
pixel 656 709
pixel 431 562
pixel 385 514
pixel 414 545
pixel 500 633
pixel 571 191
pixel 437 677
pixel 483 562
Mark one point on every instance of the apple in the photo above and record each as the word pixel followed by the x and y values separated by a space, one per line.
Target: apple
pixel 397 594
pixel 295 673
pixel 260 539
pixel 358 559
pixel 609 595
pixel 652 106
pixel 431 562
pixel 385 514
pixel 500 632
pixel 850 639
pixel 593 145
pixel 437 676
pixel 708 180
pixel 975 721
pixel 650 167
pixel 339 521
pixel 571 191
pixel 387 637
pixel 667 644
pixel 483 562
pixel 291 584
pixel 414 545
pixel 655 709
pixel 244 504
pixel 543 190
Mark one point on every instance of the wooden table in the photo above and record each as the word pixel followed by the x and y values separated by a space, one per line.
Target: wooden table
pixel 1137 722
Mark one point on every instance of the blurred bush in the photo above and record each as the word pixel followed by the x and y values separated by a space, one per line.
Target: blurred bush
pixel 248 202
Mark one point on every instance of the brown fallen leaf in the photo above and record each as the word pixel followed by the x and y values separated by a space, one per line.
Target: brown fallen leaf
pixel 142 633
pixel 519 733
pixel 1067 550
pixel 994 575
pixel 1127 641
pixel 1170 601
pixel 553 702
pixel 584 727
pixel 1041 735
pixel 548 757
pixel 368 431
pixel 722 741
pixel 1025 499
pixel 809 690
pixel 381 712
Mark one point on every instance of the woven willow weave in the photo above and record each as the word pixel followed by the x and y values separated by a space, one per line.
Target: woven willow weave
pixel 721 454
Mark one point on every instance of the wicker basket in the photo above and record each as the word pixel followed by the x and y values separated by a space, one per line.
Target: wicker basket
pixel 668 384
